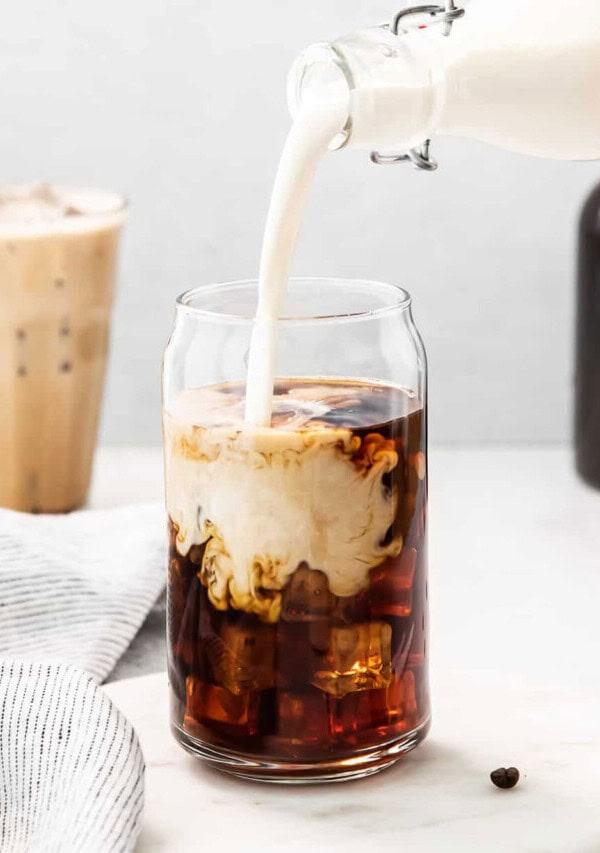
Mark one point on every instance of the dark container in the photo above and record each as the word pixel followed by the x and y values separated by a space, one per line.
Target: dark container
pixel 587 380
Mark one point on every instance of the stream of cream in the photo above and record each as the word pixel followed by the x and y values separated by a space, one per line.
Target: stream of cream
pixel 309 138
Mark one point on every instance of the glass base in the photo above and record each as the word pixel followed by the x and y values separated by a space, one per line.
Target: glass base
pixel 363 763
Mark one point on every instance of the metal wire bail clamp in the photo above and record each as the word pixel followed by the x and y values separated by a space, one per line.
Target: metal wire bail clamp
pixel 446 15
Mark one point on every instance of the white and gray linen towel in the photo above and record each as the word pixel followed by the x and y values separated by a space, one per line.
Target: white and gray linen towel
pixel 72 771
pixel 74 590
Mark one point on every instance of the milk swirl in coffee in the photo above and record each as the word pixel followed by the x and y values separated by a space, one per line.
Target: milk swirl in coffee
pixel 297 574
pixel 301 472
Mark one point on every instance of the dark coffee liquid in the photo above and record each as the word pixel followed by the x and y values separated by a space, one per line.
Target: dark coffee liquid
pixel 333 674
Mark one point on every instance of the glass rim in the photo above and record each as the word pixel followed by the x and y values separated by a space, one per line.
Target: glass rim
pixel 402 301
pixel 113 212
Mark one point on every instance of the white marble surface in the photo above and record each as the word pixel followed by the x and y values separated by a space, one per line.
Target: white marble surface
pixel 515 592
pixel 438 798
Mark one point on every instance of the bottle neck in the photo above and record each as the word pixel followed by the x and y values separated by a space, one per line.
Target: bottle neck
pixel 392 87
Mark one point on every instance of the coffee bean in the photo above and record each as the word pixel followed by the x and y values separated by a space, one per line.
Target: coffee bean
pixel 505 777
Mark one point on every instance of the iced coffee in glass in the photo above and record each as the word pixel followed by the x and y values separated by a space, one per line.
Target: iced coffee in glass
pixel 58 256
pixel 297 578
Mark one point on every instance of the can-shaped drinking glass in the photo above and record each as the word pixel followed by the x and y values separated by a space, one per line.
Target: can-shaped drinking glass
pixel 297 577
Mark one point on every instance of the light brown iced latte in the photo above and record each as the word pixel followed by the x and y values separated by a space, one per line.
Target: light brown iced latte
pixel 58 253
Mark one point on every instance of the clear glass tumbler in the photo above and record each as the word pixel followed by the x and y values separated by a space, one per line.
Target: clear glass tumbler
pixel 297 580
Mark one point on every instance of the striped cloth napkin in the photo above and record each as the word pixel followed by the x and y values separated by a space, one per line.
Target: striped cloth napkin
pixel 74 590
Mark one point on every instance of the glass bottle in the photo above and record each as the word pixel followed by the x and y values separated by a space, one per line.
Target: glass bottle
pixel 587 376
pixel 297 584
pixel 519 74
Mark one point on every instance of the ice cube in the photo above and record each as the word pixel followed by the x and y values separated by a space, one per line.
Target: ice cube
pixel 300 647
pixel 395 705
pixel 351 608
pixel 209 703
pixel 183 624
pixel 243 657
pixel 306 596
pixel 387 706
pixel 358 658
pixel 303 718
pixel 347 717
pixel 391 586
pixel 401 702
pixel 359 713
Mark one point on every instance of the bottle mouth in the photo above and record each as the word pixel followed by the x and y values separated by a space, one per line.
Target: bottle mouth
pixel 321 74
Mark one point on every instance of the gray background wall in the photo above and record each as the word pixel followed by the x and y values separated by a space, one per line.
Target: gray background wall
pixel 181 105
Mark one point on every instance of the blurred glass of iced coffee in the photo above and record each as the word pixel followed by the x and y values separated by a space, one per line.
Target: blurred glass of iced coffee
pixel 58 255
